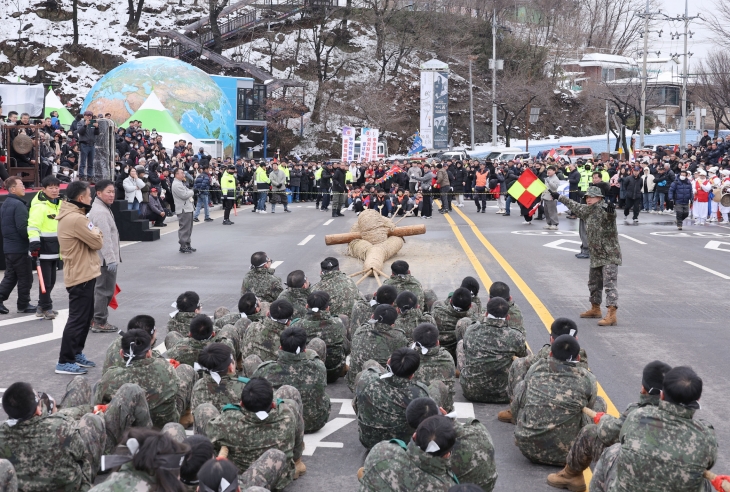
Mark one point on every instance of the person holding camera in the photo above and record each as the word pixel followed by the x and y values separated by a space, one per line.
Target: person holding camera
pixel 88 130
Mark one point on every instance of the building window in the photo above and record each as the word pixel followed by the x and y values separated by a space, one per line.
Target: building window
pixel 608 74
pixel 250 105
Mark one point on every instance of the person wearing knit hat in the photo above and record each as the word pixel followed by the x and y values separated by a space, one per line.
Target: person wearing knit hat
pixel 594 438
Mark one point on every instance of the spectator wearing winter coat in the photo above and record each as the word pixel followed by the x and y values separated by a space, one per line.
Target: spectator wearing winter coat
pixel 133 189
pixel 295 182
pixel 413 173
pixel 648 190
pixel 444 185
pixel 459 183
pixel 277 178
pixel 156 212
pixel 633 185
pixel 14 225
pixel 202 187
pixel 680 192
pixel 662 181
pixel 87 138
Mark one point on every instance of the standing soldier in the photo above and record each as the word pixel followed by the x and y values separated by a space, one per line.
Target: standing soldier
pixel 228 190
pixel 43 236
pixel 605 252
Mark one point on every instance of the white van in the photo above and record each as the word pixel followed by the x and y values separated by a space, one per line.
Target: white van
pixel 507 154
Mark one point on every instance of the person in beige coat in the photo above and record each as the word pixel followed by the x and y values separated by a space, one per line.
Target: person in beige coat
pixel 79 240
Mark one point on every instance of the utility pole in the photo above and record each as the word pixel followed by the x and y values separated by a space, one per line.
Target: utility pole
pixel 685 71
pixel 471 103
pixel 608 131
pixel 494 78
pixel 646 16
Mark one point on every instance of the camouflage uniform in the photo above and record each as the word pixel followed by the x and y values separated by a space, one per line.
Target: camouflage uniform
pixel 437 366
pixel 180 322
pixel 410 319
pixel 307 373
pixel 446 318
pixel 361 313
pixel 408 283
pixel 330 329
pixel 62 451
pixel 262 339
pixel 472 457
pixel 475 310
pixel 219 395
pixel 112 358
pixel 187 349
pixel 8 479
pixel 395 466
pixel 603 247
pixel 548 409
pixel 593 439
pixel 298 299
pixel 342 290
pixel 247 437
pixel 373 341
pixel 167 389
pixel 228 319
pixel 514 317
pixel 661 448
pixel 485 356
pixel 380 405
pixel 520 366
pixel 263 283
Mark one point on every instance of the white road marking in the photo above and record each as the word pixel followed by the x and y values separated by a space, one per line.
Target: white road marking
pixel 721 275
pixel 632 239
pixel 329 222
pixel 22 319
pixel 545 233
pixel 276 264
pixel 346 408
pixel 464 410
pixel 58 325
pixel 690 234
pixel 313 441
pixel 556 245
pixel 306 240
pixel 717 245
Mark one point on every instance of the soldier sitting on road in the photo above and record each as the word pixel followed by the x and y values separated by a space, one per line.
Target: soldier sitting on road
pixel 262 338
pixel 262 420
pixel 296 293
pixel 472 457
pixel 341 288
pixel 262 475
pixel 437 367
pixel 447 315
pixel 410 314
pixel 260 279
pixel 319 323
pixel 548 404
pixel 218 384
pixel 59 447
pixel 485 355
pixel 375 340
pixel 188 306
pixel 594 438
pixel 402 280
pixel 250 310
pixel 519 367
pixel 301 368
pixel 185 349
pixel 422 464
pixel 514 315
pixel 142 322
pixel 363 310
pixel 167 389
pixel 381 397
pixel 476 304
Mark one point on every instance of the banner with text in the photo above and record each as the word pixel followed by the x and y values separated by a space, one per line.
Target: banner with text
pixel 369 144
pixel 440 110
pixel 426 128
pixel 348 144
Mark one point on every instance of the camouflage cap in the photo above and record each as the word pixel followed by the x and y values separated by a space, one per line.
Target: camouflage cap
pixel 594 191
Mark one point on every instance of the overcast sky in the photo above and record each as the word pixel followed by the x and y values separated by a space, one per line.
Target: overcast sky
pixel 699 44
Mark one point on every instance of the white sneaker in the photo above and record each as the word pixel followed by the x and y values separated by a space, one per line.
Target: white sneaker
pixel 554 227
pixel 527 223
pixel 499 212
pixel 548 227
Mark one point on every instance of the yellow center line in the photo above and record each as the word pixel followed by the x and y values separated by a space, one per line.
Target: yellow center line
pixel 481 272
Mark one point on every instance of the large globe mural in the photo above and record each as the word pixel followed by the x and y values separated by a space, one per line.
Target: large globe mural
pixel 187 92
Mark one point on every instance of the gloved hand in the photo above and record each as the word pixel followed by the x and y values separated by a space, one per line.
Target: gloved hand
pixel 112 267
pixel 611 209
pixel 717 481
pixel 555 195
pixel 174 363
pixel 598 416
pixel 34 247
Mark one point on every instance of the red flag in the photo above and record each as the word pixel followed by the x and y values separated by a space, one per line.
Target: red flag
pixel 113 302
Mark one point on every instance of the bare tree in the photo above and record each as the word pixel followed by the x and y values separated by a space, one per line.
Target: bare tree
pixel 133 11
pixel 515 93
pixel 719 22
pixel 713 86
pixel 215 7
pixel 611 25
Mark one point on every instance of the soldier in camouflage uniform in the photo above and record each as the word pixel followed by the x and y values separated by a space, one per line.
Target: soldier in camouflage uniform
pixel 472 457
pixel 167 389
pixel 262 338
pixel 594 438
pixel 342 289
pixel 363 310
pixel 250 310
pixel 486 353
pixel 410 314
pixel 301 368
pixel 142 322
pixel 519 367
pixel 472 285
pixel 319 323
pixel 661 447
pixel 548 404
pixel 261 422
pixel 422 464
pixel 447 315
pixel 375 340
pixel 297 291
pixel 60 447
pixel 381 398
pixel 603 247
pixel 402 280
pixel 260 477
pixel 261 280
pixel 185 350
pixel 8 478
pixel 514 315
pixel 437 366
pixel 188 306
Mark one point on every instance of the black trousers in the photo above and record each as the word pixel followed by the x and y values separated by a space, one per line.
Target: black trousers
pixel 80 314
pixel 227 206
pixel 18 271
pixel 157 218
pixel 427 209
pixel 48 267
pixel 480 197
pixel 634 203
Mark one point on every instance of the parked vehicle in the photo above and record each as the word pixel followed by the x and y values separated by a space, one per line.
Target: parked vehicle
pixel 572 153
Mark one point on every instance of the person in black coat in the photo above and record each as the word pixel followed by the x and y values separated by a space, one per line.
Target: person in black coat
pixel 295 182
pixel 573 186
pixel 633 186
pixel 18 268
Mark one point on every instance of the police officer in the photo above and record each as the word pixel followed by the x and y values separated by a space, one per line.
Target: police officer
pixel 42 227
pixel 228 189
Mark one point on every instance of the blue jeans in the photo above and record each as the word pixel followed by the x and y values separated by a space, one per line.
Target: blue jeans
pixel 295 193
pixel 507 201
pixel 203 201
pixel 86 162
pixel 648 201
pixel 659 198
pixel 262 200
pixel 134 205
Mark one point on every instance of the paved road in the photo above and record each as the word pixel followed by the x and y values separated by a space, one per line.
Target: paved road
pixel 669 309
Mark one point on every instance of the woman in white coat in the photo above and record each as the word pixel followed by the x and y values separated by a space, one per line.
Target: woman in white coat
pixel 133 189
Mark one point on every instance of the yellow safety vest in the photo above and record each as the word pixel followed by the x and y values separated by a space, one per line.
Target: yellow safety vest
pixel 228 182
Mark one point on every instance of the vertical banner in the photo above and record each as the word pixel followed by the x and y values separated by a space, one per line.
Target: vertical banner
pixel 426 128
pixel 440 110
pixel 348 144
pixel 369 144
pixel 363 144
pixel 373 143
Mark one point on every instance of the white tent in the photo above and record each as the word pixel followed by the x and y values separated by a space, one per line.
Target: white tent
pixel 153 114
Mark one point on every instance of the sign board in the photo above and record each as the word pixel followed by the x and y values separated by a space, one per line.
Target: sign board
pixel 348 144
pixel 434 119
